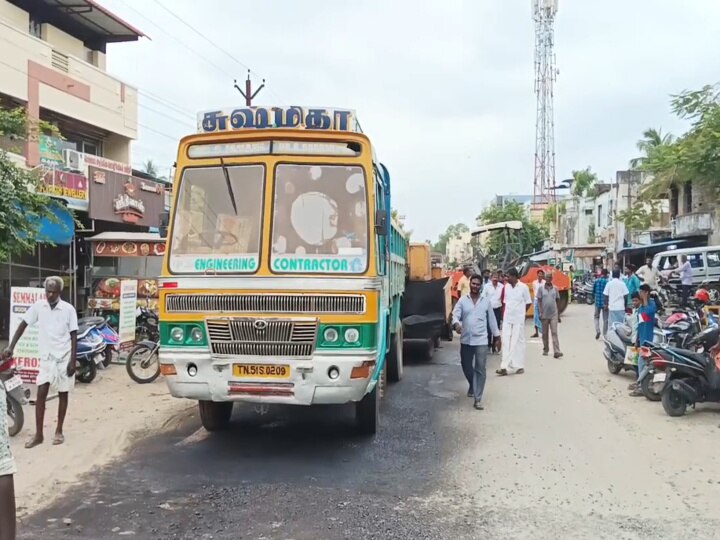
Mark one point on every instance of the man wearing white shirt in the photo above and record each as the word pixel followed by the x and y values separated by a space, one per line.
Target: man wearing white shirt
pixel 58 326
pixel 648 274
pixel 616 294
pixel 493 292
pixel 517 302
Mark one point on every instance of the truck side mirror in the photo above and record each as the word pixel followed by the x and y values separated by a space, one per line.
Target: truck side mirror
pixel 381 222
pixel 164 222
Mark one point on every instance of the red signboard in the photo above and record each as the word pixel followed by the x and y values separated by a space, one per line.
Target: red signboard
pixel 69 186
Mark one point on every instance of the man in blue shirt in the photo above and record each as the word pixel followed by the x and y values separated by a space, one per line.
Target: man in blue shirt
pixel 632 282
pixel 471 317
pixel 646 324
pixel 600 305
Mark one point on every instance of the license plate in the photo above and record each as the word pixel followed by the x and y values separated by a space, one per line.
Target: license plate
pixel 261 371
pixel 13 382
pixel 99 359
pixel 659 377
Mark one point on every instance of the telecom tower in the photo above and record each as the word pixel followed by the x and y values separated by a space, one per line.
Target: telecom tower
pixel 545 76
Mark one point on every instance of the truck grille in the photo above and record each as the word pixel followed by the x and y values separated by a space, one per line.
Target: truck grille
pixel 265 303
pixel 262 337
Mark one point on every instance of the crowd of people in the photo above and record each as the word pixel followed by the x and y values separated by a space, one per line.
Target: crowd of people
pixel 490 317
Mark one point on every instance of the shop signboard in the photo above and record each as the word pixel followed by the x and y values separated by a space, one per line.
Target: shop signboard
pixel 128 306
pixel 51 151
pixel 71 187
pixel 129 249
pixel 27 350
pixel 121 198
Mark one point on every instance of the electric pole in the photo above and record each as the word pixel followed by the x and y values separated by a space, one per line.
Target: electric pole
pixel 248 94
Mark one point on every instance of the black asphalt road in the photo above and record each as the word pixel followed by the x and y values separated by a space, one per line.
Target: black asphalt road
pixel 291 472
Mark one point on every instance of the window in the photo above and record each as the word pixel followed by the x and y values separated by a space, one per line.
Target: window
pixel 320 219
pixel 713 259
pixel 687 192
pixel 610 213
pixel 599 215
pixel 35 27
pixel 696 260
pixel 218 220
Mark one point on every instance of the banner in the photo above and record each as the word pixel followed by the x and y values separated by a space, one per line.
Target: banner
pixel 124 199
pixel 128 306
pixel 27 350
pixel 71 187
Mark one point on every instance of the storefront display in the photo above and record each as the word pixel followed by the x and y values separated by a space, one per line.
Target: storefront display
pixel 118 256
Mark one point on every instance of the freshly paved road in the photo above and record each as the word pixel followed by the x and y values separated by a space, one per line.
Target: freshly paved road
pixel 560 452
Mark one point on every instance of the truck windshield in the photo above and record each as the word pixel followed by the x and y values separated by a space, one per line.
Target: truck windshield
pixel 320 222
pixel 218 220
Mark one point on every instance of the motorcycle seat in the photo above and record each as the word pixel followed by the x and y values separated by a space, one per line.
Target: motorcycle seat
pixel 624 332
pixel 698 357
pixel 92 321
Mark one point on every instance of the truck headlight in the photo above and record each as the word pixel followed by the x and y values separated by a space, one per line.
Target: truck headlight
pixel 196 334
pixel 352 335
pixel 177 334
pixel 331 335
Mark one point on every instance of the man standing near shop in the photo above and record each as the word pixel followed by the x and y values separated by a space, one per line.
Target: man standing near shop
pixel 601 308
pixel 633 284
pixel 648 274
pixel 57 323
pixel 548 299
pixel 616 297
pixel 685 272
pixel 493 291
pixel 7 472
pixel 471 317
pixel 516 296
pixel 463 285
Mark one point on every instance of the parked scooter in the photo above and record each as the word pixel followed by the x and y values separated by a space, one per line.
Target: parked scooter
pixel 109 335
pixel 653 381
pixel 617 340
pixel 90 353
pixel 692 377
pixel 17 395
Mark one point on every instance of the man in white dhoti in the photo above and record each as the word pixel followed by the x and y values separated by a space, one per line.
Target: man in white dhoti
pixel 517 301
pixel 7 472
pixel 57 322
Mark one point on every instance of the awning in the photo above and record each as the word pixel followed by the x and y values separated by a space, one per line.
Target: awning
pixel 656 247
pixel 60 233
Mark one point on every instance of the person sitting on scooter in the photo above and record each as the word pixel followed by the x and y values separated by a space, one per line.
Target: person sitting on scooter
pixel 646 324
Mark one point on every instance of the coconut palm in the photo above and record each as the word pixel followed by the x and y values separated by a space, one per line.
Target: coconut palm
pixel 652 138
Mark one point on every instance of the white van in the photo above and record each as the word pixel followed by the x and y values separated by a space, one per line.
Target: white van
pixel 705 262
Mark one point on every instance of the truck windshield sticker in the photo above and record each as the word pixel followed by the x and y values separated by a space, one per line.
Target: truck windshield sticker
pixel 224 263
pixel 318 264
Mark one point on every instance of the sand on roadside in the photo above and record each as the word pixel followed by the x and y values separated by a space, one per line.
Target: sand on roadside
pixel 104 419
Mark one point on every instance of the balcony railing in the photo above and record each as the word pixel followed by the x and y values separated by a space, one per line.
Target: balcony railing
pixel 693 224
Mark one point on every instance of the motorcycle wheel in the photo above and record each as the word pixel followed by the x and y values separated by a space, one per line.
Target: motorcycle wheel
pixel 143 370
pixel 15 416
pixel 646 386
pixel 86 374
pixel 614 368
pixel 589 300
pixel 107 358
pixel 673 402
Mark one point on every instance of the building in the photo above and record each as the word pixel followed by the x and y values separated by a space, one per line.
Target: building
pixel 458 249
pixel 694 214
pixel 53 63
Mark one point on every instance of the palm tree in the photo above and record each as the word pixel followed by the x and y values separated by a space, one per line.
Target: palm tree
pixel 152 170
pixel 652 138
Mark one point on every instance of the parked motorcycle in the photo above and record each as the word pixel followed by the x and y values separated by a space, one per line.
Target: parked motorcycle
pixel 16 395
pixel 143 362
pixel 90 353
pixel 109 335
pixel 583 292
pixel 692 377
pixel 657 358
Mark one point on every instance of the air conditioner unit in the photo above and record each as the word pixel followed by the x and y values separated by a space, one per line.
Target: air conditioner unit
pixel 73 160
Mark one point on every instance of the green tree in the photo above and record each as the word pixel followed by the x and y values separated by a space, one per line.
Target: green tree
pixel 22 206
pixel 694 156
pixel 149 167
pixel 640 216
pixel 584 182
pixel 652 138
pixel 451 232
pixel 550 215
pixel 527 240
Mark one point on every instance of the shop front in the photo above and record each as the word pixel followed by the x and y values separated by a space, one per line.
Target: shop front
pixel 115 256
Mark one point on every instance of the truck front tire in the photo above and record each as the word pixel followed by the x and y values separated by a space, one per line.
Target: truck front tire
pixel 367 412
pixel 215 415
pixel 395 357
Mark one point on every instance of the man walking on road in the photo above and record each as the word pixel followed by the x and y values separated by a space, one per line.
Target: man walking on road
pixel 493 291
pixel 548 299
pixel 471 317
pixel 616 294
pixel 463 285
pixel 517 301
pixel 632 282
pixel 7 472
pixel 57 322
pixel 601 307
pixel 536 312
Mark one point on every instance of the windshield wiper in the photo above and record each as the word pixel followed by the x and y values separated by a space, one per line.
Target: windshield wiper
pixel 229 185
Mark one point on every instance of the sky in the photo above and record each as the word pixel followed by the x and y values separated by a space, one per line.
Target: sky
pixel 444 88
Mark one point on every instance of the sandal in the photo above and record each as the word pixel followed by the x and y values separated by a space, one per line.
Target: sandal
pixel 59 438
pixel 501 372
pixel 520 371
